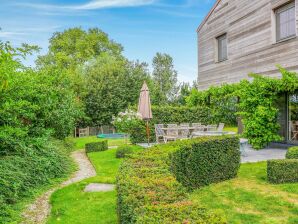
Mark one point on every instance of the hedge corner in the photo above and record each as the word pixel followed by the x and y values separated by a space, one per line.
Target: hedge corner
pixel 97 146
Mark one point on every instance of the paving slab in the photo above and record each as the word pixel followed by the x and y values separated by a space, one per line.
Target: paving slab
pixel 99 187
pixel 251 156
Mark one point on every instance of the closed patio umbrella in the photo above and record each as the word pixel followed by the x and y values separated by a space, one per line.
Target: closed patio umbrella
pixel 144 108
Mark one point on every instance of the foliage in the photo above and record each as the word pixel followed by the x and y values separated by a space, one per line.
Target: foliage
pixel 21 175
pixel 34 106
pixel 147 190
pixel 292 153
pixel 165 79
pixel 257 104
pixel 282 171
pixel 206 160
pixel 97 146
pixel 124 151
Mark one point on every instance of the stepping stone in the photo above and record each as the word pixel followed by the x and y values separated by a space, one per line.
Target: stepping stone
pixel 99 187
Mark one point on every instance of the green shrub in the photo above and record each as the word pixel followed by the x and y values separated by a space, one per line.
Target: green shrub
pixel 97 146
pixel 21 175
pixel 292 153
pixel 282 171
pixel 123 151
pixel 149 193
pixel 206 160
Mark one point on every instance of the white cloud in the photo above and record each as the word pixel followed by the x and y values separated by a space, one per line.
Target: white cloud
pixel 91 5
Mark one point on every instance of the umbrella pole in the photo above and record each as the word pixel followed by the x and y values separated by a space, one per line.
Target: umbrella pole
pixel 148 132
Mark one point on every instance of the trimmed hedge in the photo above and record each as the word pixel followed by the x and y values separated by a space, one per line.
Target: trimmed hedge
pixel 206 160
pixel 282 171
pixel 123 151
pixel 97 146
pixel 292 153
pixel 148 192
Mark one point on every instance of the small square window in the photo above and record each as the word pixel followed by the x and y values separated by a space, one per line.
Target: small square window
pixel 285 22
pixel 222 48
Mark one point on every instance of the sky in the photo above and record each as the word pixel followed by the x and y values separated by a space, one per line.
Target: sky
pixel 143 27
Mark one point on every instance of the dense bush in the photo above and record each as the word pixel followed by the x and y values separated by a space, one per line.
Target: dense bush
pixel 34 107
pixel 149 193
pixel 282 171
pixel 206 160
pixel 97 146
pixel 21 175
pixel 129 123
pixel 292 153
pixel 124 151
pixel 255 101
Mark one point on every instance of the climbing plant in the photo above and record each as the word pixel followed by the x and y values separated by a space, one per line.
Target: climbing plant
pixel 254 101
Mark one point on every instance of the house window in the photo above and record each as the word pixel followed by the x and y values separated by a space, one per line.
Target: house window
pixel 285 22
pixel 222 48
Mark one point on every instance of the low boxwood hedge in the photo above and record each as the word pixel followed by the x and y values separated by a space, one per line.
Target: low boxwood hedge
pixel 292 153
pixel 97 146
pixel 123 151
pixel 206 160
pixel 282 171
pixel 148 192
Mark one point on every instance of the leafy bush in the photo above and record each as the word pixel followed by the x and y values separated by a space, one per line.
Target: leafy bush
pixel 206 160
pixel 292 153
pixel 21 175
pixel 282 171
pixel 97 146
pixel 149 193
pixel 123 151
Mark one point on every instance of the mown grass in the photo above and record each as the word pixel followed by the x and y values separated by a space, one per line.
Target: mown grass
pixel 250 199
pixel 79 143
pixel 71 205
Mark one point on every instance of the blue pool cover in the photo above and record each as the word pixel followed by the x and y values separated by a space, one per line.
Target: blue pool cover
pixel 115 135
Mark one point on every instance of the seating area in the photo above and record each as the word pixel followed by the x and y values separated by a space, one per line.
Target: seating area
pixel 172 132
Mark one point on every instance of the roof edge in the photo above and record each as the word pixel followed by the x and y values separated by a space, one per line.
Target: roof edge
pixel 209 14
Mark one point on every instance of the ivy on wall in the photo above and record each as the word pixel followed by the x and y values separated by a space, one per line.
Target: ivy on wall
pixel 254 101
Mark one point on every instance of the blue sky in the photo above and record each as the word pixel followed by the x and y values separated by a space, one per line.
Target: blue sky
pixel 143 27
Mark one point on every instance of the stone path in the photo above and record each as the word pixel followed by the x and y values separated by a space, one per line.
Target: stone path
pixel 38 212
pixel 252 156
pixel 99 187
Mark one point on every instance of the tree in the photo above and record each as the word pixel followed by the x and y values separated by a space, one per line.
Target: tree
pixel 165 79
pixel 73 48
pixel 113 85
pixel 184 92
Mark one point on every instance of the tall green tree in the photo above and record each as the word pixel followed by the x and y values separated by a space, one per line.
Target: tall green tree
pixel 113 85
pixel 165 79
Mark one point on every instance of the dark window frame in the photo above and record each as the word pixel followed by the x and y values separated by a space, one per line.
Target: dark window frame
pixel 278 12
pixel 222 48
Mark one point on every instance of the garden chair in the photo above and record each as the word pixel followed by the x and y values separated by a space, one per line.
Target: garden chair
pixel 220 127
pixel 294 132
pixel 184 131
pixel 159 132
pixel 172 133
pixel 211 127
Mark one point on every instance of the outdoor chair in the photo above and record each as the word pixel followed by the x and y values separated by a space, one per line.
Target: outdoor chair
pixel 220 127
pixel 172 133
pixel 159 132
pixel 211 127
pixel 184 131
pixel 294 131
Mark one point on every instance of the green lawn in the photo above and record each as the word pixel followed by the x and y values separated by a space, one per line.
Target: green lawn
pixel 79 143
pixel 250 199
pixel 71 205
